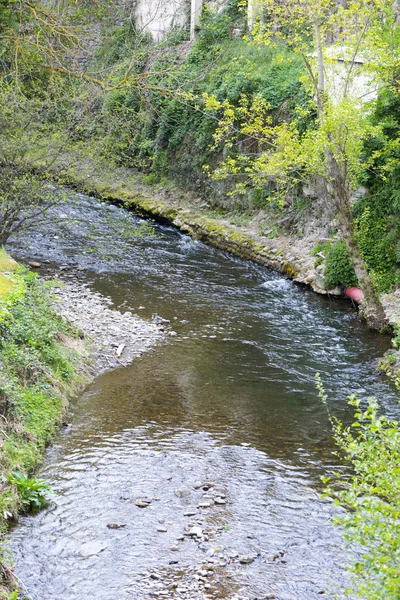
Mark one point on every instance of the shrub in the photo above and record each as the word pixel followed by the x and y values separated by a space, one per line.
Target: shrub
pixel 338 269
pixel 370 497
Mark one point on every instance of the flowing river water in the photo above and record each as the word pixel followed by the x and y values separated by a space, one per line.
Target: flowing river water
pixel 225 411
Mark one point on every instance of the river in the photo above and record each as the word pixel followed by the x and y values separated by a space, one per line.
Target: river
pixel 227 411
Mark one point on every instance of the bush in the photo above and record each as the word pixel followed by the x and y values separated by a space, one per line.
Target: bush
pixel 338 269
pixel 378 213
pixel 370 497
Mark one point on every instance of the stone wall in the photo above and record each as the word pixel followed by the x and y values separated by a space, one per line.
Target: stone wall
pixel 159 16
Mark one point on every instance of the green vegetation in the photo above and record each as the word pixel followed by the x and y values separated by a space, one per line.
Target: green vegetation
pixel 40 360
pixel 331 148
pixel 139 105
pixel 31 491
pixel 257 114
pixel 370 497
pixel 172 133
pixel 338 269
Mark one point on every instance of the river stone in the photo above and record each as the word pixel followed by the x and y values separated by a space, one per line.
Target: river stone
pixel 182 492
pixel 142 503
pixel 246 559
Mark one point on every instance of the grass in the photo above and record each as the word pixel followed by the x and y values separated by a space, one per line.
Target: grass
pixel 41 365
pixel 7 267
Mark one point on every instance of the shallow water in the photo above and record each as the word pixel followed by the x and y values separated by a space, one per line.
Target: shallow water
pixel 230 401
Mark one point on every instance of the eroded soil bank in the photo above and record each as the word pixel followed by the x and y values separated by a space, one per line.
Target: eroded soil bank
pixel 194 472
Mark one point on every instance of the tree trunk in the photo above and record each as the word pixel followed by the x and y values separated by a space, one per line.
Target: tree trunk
pixel 338 189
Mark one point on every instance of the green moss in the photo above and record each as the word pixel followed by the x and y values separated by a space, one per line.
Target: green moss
pixel 240 238
pixel 290 270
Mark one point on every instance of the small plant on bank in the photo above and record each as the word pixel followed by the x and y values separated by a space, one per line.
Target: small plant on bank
pixel 338 268
pixel 33 492
pixel 396 337
pixel 370 497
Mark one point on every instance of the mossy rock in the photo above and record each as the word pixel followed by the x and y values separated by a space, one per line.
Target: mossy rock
pixel 290 270
pixel 6 285
pixel 7 264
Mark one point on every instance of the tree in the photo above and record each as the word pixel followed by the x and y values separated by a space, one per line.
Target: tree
pixel 348 50
pixel 25 201
pixel 35 42
pixel 25 143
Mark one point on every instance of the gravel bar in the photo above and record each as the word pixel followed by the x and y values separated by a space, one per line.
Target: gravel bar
pixel 116 338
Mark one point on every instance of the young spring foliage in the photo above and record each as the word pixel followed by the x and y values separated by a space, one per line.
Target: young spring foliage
pixel 33 492
pixel 370 497
pixel 347 50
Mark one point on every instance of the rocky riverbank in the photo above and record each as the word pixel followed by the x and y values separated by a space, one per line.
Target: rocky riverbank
pixel 63 354
pixel 260 239
pixel 115 338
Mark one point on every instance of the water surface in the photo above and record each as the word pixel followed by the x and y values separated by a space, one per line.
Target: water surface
pixel 231 401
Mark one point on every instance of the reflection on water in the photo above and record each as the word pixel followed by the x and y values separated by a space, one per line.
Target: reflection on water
pixel 232 400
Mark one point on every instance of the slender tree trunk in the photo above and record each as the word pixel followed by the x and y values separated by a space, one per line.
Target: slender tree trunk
pixel 339 191
pixel 321 69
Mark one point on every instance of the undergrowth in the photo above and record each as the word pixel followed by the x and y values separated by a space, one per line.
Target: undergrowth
pixel 40 365
pixel 370 496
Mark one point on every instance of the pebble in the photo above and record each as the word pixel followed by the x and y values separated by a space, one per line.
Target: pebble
pixel 196 532
pixel 142 503
pixel 106 329
pixel 162 529
pixel 246 559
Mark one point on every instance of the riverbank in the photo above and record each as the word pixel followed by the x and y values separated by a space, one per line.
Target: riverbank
pixel 53 342
pixel 114 338
pixel 290 255
pixel 259 238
